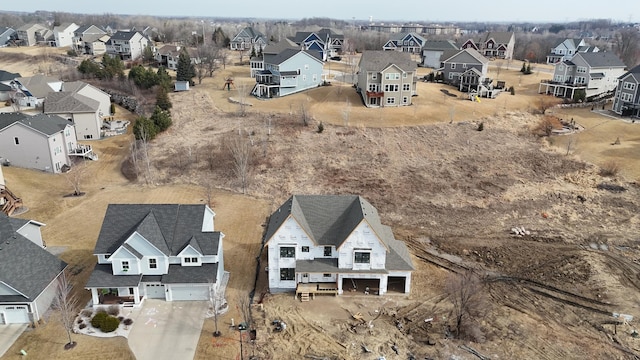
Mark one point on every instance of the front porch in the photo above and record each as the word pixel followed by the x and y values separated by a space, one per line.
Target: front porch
pixel 126 297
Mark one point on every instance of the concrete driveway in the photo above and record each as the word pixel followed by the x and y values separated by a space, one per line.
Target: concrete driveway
pixel 8 335
pixel 167 330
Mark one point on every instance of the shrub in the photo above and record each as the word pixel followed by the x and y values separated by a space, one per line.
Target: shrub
pixel 512 90
pixel 80 321
pixel 120 318
pixel 86 313
pixel 610 168
pixel 481 126
pixel 72 53
pixel 320 128
pixel 110 324
pixel 113 109
pixel 99 319
pixel 113 310
pixel 127 321
pixel 82 326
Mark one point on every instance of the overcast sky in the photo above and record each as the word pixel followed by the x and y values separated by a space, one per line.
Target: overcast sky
pixel 380 10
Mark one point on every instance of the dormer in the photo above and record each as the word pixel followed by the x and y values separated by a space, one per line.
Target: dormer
pixel 191 255
pixel 125 261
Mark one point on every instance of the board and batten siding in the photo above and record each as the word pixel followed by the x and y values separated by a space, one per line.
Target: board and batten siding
pixel 289 234
pixel 363 238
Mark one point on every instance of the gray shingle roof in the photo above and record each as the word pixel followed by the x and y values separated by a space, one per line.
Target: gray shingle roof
pixel 102 276
pixel 286 54
pixel 276 48
pixel 44 123
pixel 123 35
pixel 38 85
pixel 191 274
pixel 8 76
pixel 169 227
pixel 500 37
pixel 601 59
pixel 378 60
pixel 440 45
pixel 69 102
pixel 25 266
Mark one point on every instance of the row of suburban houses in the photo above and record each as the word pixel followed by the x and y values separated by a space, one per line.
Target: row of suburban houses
pixel 316 244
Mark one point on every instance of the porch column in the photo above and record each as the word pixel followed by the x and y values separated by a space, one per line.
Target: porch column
pixel 95 298
pixel 383 284
pixel 136 295
pixel 339 284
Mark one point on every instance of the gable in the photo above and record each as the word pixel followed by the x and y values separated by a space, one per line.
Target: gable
pixel 315 46
pixel 122 253
pixel 189 251
pixel 312 37
pixel 390 44
pixel 6 289
pixel 463 57
pixel 144 247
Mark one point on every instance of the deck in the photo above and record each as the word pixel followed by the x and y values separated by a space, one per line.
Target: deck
pixel 315 288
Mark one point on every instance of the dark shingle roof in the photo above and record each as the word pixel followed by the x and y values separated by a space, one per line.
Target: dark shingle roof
pixel 440 45
pixel 601 59
pixel 43 123
pixel 8 76
pixel 25 266
pixel 206 273
pixel 169 227
pixel 330 219
pixel 378 60
pixel 500 37
pixel 102 276
pixel 123 35
pixel 286 54
pixel 276 48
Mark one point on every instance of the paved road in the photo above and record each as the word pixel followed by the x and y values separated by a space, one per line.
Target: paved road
pixel 8 335
pixel 167 330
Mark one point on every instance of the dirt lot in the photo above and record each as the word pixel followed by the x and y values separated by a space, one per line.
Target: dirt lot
pixel 451 192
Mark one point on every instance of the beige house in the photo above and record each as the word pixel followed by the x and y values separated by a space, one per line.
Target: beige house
pixel 31 34
pixel 386 78
pixel 83 104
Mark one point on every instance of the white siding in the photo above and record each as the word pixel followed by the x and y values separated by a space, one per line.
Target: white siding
pixel 117 259
pixel 207 223
pixel 45 299
pixel 32 232
pixel 32 152
pixel 289 234
pixel 7 290
pixel 363 237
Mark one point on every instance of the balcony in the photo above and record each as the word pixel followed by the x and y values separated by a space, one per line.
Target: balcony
pixel 375 94
pixel 83 151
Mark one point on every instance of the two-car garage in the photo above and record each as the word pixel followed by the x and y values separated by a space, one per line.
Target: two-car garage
pixel 188 292
pixel 14 314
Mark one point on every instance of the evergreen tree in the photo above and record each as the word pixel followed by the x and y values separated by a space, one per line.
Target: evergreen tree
pixel 523 68
pixel 147 54
pixel 185 71
pixel 253 53
pixel 161 119
pixel 162 99
pixel 144 128
pixel 164 79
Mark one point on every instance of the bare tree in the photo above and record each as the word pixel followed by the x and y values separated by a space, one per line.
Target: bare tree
pixel 76 175
pixel 15 100
pixel 304 114
pixel 346 113
pixel 465 293
pixel 66 303
pixel 241 153
pixel 243 304
pixel 242 100
pixel 627 46
pixel 499 66
pixel 217 305
pixel 143 146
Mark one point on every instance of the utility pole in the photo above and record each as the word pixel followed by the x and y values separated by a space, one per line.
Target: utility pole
pixel 204 39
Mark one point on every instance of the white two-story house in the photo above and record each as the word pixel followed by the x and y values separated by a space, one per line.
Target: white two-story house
pixel 567 49
pixel 128 45
pixel 159 251
pixel 595 73
pixel 334 242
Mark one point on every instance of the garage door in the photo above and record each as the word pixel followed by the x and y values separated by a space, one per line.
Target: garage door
pixel 15 314
pixel 155 291
pixel 190 292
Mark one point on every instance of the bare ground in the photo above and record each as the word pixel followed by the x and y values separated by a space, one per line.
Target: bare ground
pixel 452 193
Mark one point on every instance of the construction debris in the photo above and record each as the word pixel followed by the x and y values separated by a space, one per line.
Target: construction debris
pixel 520 231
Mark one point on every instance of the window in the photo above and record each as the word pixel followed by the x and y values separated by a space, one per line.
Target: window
pixel 362 257
pixel 561 67
pixel 391 87
pixel 392 76
pixel 306 66
pixel 374 76
pixel 125 266
pixel 315 77
pixel 153 263
pixel 287 252
pixel 107 256
pixel 629 85
pixel 406 87
pixel 464 66
pixel 391 100
pixel 626 97
pixel 405 100
pixel 374 87
pixel 16 140
pixel 581 80
pixel 453 66
pixel 326 275
pixel 327 251
pixel 581 69
pixel 404 75
pixel 287 274
pixel 191 260
pixel 451 75
pixel 305 249
pixel 304 77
